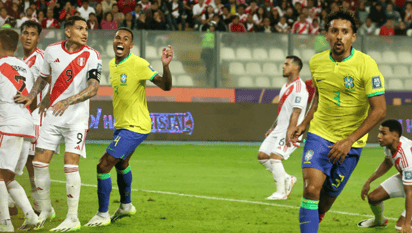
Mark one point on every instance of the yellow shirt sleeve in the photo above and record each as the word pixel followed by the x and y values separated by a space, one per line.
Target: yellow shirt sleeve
pixel 147 71
pixel 373 79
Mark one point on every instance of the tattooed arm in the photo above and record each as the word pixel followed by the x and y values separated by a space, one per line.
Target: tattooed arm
pixel 37 87
pixel 87 93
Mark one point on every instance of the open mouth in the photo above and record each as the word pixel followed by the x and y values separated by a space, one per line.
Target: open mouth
pixel 338 45
pixel 119 48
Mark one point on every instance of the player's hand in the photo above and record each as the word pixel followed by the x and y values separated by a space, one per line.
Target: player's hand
pixel 294 133
pixel 406 228
pixel 268 132
pixel 365 190
pixel 339 150
pixel 45 103
pixel 167 55
pixel 19 98
pixel 60 107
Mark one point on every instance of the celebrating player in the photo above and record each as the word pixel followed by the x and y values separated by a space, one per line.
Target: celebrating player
pixel 348 82
pixel 128 75
pixel 291 111
pixel 75 70
pixel 398 153
pixel 16 131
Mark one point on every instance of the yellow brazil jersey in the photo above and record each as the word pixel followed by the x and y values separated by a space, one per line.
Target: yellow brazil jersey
pixel 344 88
pixel 128 79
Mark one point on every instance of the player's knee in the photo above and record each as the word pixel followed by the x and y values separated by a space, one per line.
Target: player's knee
pixel 122 164
pixel 311 192
pixel 262 155
pixel 102 168
pixel 373 199
pixel 399 223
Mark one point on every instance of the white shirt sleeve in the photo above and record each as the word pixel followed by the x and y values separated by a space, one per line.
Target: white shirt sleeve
pixel 300 99
pixel 407 176
pixel 95 63
pixel 45 68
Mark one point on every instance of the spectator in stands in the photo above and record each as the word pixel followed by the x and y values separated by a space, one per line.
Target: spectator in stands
pixel 177 18
pixel 93 23
pixel 362 13
pixel 322 18
pixel 387 29
pixel 141 22
pixel 301 2
pixel 236 26
pixel 108 23
pixel 334 7
pixel 11 22
pixel 368 28
pixel 3 16
pixel 119 17
pixel 40 16
pixel 392 14
pixel 377 15
pixel 290 18
pixel 314 27
pixel 15 11
pixel 232 6
pixel 241 12
pixel 301 26
pixel 346 5
pixel 219 24
pixel 305 12
pixel 76 13
pixel 126 6
pixel 401 29
pixel 137 11
pixel 252 8
pixel 208 16
pixel 99 12
pixel 274 16
pixel 107 5
pixel 227 16
pixel 146 5
pixel 408 14
pixel 313 9
pixel 259 16
pixel 198 10
pixel 67 9
pixel 128 22
pixel 297 10
pixel 283 7
pixel 267 5
pixel 115 9
pixel 154 7
pixel 266 28
pixel 157 23
pixel 49 21
pixel 282 26
pixel 93 3
pixel 42 5
pixel 250 24
pixel 85 10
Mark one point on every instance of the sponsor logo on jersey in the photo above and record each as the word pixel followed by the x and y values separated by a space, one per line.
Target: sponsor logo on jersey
pixel 308 156
pixel 376 82
pixel 123 80
pixel 297 99
pixel 77 147
pixel 57 60
pixel 318 80
pixel 407 175
pixel 81 61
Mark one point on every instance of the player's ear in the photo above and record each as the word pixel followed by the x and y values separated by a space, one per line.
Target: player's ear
pixel 131 45
pixel 67 32
pixel 354 37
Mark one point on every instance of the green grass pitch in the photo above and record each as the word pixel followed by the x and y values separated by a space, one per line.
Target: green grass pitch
pixel 211 188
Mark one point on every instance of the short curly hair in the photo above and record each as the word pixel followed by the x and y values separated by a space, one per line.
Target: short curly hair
pixel 345 15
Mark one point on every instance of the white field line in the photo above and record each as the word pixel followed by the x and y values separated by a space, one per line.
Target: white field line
pixel 228 199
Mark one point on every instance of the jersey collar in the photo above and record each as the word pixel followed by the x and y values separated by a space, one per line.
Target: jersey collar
pixel 397 151
pixel 352 51
pixel 124 59
pixel 298 78
pixel 24 58
pixel 64 48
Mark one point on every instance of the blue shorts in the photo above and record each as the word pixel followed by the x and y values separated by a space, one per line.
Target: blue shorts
pixel 315 155
pixel 124 143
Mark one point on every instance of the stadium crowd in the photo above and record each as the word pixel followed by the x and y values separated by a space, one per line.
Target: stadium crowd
pixel 392 17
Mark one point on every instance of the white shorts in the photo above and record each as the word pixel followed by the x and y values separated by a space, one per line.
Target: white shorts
pixel 32 148
pixel 394 186
pixel 275 143
pixel 13 153
pixel 51 135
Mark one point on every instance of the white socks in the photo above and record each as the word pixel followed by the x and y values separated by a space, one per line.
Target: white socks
pixel 266 163
pixel 279 174
pixel 378 212
pixel 19 196
pixel 73 183
pixel 42 181
pixel 34 195
pixel 4 204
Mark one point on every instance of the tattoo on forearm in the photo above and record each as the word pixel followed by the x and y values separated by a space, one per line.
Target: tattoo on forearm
pixel 87 93
pixel 37 87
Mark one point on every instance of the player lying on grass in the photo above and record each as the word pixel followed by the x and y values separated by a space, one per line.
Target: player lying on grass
pixel 397 152
pixel 128 75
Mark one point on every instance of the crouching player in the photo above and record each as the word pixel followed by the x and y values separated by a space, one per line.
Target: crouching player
pixel 397 152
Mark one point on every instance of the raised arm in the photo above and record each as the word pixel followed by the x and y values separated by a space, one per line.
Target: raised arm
pixel 382 169
pixel 165 81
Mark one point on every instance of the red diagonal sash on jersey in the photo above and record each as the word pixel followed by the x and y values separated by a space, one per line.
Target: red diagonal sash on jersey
pixel 63 81
pixel 31 62
pixel 303 28
pixel 284 96
pixel 13 76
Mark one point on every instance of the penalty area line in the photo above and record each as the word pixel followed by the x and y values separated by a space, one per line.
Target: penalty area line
pixel 228 199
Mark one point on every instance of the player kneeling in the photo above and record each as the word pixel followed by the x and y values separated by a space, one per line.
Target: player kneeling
pixel 397 152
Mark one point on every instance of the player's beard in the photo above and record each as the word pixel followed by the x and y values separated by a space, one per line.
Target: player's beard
pixel 338 53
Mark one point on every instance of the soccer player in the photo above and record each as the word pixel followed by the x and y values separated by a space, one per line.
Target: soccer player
pixel 291 111
pixel 348 83
pixel 397 152
pixel 75 70
pixel 16 131
pixel 128 75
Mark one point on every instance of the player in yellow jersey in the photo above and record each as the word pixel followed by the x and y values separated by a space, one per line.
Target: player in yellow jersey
pixel 128 75
pixel 348 83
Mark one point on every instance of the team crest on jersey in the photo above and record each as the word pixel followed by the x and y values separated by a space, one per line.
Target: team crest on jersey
pixel 123 80
pixel 348 82
pixel 308 156
pixel 376 82
pixel 81 61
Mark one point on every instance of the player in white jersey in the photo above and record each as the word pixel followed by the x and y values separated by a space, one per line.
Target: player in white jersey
pixel 397 152
pixel 16 131
pixel 291 111
pixel 75 70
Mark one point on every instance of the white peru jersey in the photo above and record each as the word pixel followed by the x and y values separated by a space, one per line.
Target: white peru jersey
pixel 15 119
pixel 402 159
pixel 291 96
pixel 69 75
pixel 35 62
